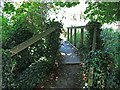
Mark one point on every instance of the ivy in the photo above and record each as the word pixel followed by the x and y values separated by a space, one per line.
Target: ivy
pixel 105 73
pixel 29 67
pixel 7 75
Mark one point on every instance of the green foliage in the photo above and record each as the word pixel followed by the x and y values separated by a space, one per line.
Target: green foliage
pixel 38 59
pixel 7 76
pixel 90 28
pixel 34 74
pixel 7 30
pixel 54 37
pixel 110 39
pixel 78 38
pixel 105 73
pixel 30 61
pixel 104 12
pixel 9 8
pixel 66 4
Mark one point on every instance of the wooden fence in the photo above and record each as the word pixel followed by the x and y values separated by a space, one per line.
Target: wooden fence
pixel 69 34
pixel 31 41
pixel 69 37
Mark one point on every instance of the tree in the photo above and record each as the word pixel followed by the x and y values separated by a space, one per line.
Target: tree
pixel 104 12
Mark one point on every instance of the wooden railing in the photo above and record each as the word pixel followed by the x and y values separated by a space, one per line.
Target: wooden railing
pixel 69 34
pixel 69 37
pixel 31 41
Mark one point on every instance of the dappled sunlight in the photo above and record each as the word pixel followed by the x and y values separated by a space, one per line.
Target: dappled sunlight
pixel 73 48
pixel 68 44
pixel 62 53
pixel 69 54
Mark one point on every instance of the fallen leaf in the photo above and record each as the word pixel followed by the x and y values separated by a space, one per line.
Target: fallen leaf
pixel 51 78
pixel 56 79
pixel 42 86
pixel 52 87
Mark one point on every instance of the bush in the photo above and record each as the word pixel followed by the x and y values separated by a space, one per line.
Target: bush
pixel 105 72
pixel 110 39
pixel 24 25
pixel 24 70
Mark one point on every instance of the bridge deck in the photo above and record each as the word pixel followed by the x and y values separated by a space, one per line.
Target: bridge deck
pixel 70 57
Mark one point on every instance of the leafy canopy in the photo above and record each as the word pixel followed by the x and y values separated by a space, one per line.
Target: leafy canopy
pixel 104 12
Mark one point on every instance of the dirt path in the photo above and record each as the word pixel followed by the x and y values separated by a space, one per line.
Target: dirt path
pixel 68 74
pixel 66 77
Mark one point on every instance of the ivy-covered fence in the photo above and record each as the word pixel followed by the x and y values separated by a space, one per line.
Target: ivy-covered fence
pixel 100 66
pixel 29 67
pixel 91 26
pixel 105 73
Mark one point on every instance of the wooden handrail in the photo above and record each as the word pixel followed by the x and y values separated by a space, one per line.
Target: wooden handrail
pixel 75 37
pixel 68 34
pixel 82 36
pixel 71 35
pixel 31 41
pixel 77 27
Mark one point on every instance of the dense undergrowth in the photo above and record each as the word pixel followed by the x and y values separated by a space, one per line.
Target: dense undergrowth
pixel 104 61
pixel 30 66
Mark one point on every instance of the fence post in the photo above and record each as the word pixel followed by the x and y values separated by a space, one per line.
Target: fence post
pixel 31 41
pixel 82 37
pixel 91 71
pixel 68 34
pixel 75 37
pixel 71 35
pixel 119 50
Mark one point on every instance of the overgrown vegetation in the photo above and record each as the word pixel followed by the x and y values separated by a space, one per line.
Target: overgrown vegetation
pixel 30 66
pixel 105 61
pixel 105 73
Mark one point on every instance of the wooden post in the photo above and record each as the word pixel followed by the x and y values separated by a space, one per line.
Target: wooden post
pixel 71 35
pixel 68 34
pixel 82 36
pixel 94 40
pixel 31 41
pixel 90 76
pixel 119 50
pixel 75 37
